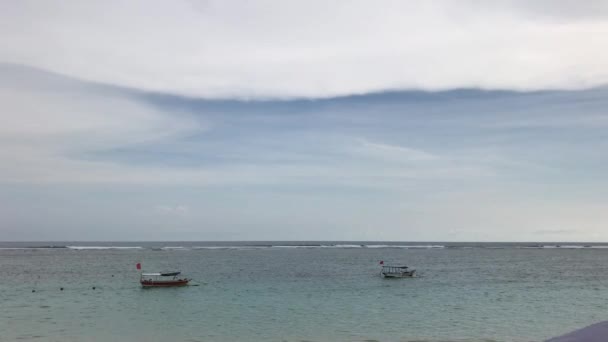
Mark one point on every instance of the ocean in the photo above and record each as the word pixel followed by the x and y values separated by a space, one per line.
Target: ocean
pixel 300 291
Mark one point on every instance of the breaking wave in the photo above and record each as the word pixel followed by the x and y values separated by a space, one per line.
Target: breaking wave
pixel 406 246
pixel 102 247
pixel 244 246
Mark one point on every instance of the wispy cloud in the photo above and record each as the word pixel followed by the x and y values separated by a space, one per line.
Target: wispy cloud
pixel 557 231
pixel 46 126
pixel 394 152
pixel 177 210
pixel 403 165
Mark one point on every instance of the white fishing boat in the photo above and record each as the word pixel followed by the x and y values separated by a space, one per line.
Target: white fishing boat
pixel 390 271
pixel 161 279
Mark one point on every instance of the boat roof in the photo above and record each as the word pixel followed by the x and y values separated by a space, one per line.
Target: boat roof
pixel 393 266
pixel 163 274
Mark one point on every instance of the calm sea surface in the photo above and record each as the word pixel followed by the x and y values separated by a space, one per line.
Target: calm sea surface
pixel 327 291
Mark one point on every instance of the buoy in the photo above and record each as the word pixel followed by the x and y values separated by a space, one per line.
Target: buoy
pixel 61 288
pixel 33 290
pixel 93 287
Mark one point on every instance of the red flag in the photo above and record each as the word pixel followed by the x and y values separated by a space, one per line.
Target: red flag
pixel 139 266
pixel 381 262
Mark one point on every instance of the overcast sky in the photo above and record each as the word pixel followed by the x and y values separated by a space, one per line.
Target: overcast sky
pixel 287 120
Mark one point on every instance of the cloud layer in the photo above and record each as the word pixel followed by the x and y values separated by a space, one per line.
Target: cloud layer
pixel 312 48
pixel 286 120
pixel 96 162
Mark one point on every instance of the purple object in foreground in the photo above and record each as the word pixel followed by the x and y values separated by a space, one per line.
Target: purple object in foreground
pixel 594 333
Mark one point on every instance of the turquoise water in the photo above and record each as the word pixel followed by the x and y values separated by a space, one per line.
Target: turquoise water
pixel 317 293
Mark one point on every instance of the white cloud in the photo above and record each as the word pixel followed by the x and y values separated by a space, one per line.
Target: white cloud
pixel 54 127
pixel 47 130
pixel 312 48
pixel 389 152
pixel 174 210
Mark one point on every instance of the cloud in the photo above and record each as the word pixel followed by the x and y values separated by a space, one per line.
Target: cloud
pixel 395 152
pixel 556 231
pixel 61 130
pixel 312 48
pixel 177 210
pixel 49 122
pixel 58 129
pixel 568 10
pixel 78 157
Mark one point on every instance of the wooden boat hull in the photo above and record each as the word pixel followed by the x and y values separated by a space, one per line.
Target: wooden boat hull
pixel 410 274
pixel 164 283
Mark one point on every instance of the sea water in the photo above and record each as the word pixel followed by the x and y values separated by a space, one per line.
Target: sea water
pixel 300 291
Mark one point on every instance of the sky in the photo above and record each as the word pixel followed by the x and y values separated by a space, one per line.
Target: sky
pixel 304 120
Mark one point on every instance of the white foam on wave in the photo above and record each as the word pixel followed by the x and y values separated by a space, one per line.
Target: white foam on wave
pixel 579 247
pixel 33 247
pixel 342 246
pixel 564 247
pixel 407 246
pixel 337 246
pixel 319 246
pixel 230 247
pixel 102 247
pixel 561 247
pixel 297 246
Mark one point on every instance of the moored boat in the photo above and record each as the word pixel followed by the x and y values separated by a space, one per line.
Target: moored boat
pixel 161 279
pixel 389 271
pixel 167 279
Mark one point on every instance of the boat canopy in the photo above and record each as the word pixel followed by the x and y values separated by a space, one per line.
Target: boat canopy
pixel 162 274
pixel 390 266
